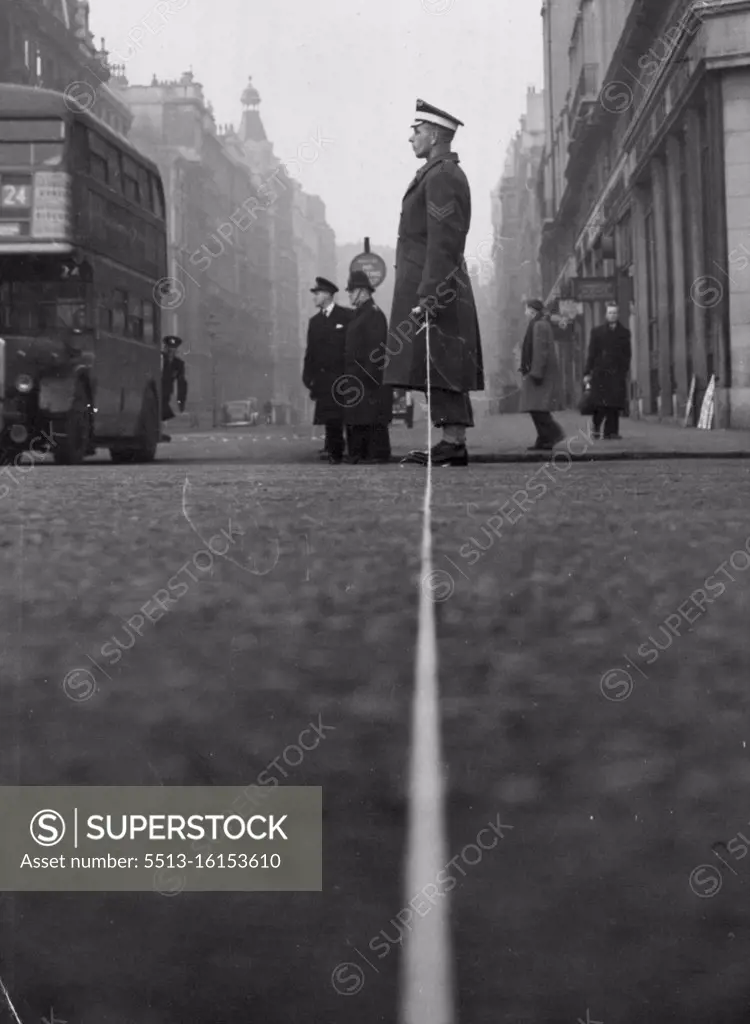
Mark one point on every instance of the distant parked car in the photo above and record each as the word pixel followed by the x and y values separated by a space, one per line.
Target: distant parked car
pixel 242 412
pixel 403 407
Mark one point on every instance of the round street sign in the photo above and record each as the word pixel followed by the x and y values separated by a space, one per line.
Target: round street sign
pixel 372 264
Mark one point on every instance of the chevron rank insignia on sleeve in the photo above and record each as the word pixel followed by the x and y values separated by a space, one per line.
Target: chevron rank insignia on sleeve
pixel 441 212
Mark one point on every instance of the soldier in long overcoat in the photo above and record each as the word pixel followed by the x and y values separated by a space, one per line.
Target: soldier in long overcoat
pixel 323 368
pixel 540 371
pixel 370 404
pixel 607 368
pixel 432 281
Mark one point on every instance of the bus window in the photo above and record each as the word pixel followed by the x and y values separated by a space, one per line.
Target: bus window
pixel 27 306
pixel 32 130
pixel 130 188
pixel 98 167
pixel 105 314
pixel 119 311
pixel 143 188
pixel 158 198
pixel 113 167
pixel 15 154
pixel 48 154
pixel 152 194
pixel 135 319
pixel 150 243
pixel 148 321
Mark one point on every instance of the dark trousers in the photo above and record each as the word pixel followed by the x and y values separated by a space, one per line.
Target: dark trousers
pixel 370 442
pixel 611 420
pixel 450 408
pixel 335 438
pixel 547 428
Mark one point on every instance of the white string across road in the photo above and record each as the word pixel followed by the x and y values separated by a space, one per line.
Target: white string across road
pixel 9 1002
pixel 427 978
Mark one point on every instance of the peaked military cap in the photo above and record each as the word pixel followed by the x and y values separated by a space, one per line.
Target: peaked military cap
pixel 433 115
pixel 324 285
pixel 172 341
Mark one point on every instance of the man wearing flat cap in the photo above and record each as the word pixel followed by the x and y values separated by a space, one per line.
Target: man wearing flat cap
pixel 432 282
pixel 324 365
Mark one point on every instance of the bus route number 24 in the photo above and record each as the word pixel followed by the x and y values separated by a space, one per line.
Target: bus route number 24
pixel 15 195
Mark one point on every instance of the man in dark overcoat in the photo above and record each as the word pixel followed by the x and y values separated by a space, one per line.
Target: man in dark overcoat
pixel 172 373
pixel 540 371
pixel 432 282
pixel 324 365
pixel 369 404
pixel 606 370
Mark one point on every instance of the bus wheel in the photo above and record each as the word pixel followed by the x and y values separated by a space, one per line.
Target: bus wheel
pixel 73 439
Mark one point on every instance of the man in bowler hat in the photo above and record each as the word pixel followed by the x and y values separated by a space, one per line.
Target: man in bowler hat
pixel 432 281
pixel 324 365
pixel 368 404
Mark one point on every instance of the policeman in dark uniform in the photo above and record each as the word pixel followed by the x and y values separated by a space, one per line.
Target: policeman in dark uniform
pixel 323 370
pixel 172 372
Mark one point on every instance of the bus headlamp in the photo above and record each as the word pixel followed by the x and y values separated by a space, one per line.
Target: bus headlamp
pixel 24 383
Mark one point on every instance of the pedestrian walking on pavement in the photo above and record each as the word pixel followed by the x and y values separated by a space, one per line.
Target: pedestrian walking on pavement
pixel 172 373
pixel 606 372
pixel 541 377
pixel 432 280
pixel 324 365
pixel 368 403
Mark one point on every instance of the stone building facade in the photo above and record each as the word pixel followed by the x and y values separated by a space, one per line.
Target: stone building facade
pixel 646 185
pixel 245 245
pixel 316 256
pixel 218 252
pixel 48 43
pixel 517 236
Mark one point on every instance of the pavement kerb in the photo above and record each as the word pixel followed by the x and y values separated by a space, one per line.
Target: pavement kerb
pixel 490 457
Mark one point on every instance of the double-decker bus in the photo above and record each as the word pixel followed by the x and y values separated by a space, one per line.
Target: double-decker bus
pixel 83 253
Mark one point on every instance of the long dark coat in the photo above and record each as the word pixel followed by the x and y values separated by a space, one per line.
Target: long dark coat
pixel 608 364
pixel 539 359
pixel 435 219
pixel 369 401
pixel 172 372
pixel 324 362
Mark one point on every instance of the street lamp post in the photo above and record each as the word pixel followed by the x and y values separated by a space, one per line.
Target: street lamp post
pixel 212 323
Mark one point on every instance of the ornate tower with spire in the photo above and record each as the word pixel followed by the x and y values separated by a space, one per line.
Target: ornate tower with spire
pixel 251 126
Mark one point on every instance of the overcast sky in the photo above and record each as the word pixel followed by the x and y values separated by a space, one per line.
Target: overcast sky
pixel 349 71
